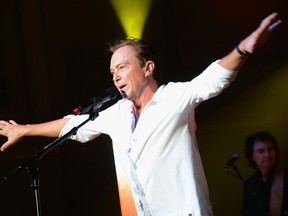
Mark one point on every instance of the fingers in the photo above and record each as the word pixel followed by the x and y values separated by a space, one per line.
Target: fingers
pixel 5 125
pixel 262 33
pixel 12 122
pixel 270 22
pixel 5 130
pixel 2 125
pixel 274 25
pixel 5 146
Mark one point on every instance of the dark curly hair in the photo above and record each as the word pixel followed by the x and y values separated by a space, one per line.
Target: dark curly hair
pixel 261 136
pixel 145 51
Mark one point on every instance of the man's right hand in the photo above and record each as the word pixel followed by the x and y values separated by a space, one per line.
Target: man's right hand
pixel 13 131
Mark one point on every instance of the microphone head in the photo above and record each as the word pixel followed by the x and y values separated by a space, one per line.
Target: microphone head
pixel 236 156
pixel 112 91
pixel 95 103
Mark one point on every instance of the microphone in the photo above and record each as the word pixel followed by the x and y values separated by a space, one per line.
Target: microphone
pixel 96 103
pixel 230 163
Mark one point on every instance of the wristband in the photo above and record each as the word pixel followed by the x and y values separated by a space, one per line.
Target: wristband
pixel 242 53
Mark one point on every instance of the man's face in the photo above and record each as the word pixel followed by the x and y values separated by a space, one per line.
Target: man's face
pixel 264 154
pixel 128 75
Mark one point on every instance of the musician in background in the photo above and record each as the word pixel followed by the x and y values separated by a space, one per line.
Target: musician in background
pixel 266 191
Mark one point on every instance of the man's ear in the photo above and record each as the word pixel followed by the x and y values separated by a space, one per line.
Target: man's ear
pixel 149 68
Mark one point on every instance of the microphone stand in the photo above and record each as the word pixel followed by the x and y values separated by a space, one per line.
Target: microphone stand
pixel 236 172
pixel 31 165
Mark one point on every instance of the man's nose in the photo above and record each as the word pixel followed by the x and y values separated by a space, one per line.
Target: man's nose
pixel 267 153
pixel 116 76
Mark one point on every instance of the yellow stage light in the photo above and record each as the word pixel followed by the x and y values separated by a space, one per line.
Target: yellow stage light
pixel 132 15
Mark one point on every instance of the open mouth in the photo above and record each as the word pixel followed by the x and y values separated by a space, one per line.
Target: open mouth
pixel 121 87
pixel 122 90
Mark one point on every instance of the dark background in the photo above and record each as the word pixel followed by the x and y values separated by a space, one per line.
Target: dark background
pixel 53 57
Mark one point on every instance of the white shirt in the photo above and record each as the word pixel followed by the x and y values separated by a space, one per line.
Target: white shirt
pixel 160 156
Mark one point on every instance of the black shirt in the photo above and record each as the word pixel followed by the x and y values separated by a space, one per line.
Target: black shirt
pixel 256 195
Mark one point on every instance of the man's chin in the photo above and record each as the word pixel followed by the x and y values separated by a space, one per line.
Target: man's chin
pixel 268 165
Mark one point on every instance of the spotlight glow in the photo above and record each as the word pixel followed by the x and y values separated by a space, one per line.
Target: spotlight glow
pixel 132 15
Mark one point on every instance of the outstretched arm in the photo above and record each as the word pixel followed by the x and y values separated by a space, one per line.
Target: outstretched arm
pixel 15 132
pixel 235 59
